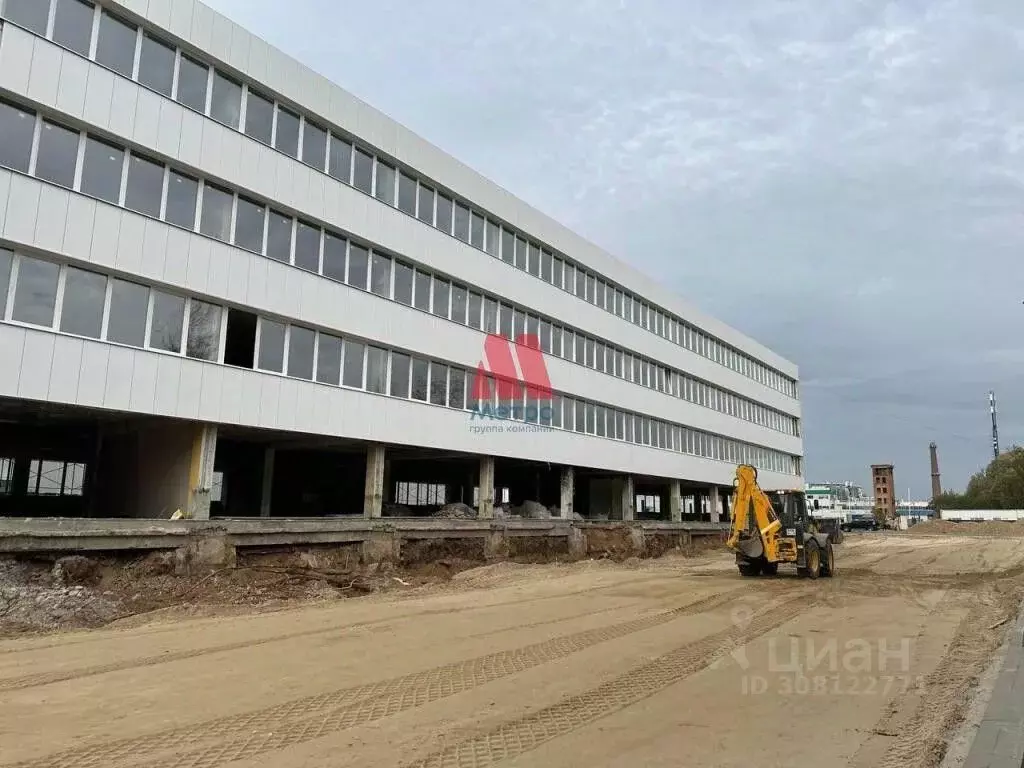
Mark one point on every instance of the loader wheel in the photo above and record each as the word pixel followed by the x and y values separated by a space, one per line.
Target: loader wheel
pixel 770 569
pixel 749 569
pixel 828 563
pixel 812 556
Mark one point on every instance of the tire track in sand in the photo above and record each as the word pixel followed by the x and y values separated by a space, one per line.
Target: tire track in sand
pixel 246 735
pixel 517 737
pixel 59 676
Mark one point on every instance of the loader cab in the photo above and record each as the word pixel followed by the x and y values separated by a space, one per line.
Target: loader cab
pixel 791 509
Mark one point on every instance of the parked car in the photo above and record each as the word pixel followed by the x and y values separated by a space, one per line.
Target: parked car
pixel 861 524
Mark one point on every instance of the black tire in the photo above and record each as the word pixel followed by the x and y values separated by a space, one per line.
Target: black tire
pixel 770 569
pixel 812 556
pixel 828 562
pixel 749 569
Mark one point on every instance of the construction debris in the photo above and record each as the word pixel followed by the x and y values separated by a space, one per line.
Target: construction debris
pixel 456 511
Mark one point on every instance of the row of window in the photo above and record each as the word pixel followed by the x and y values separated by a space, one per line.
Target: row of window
pixel 93 32
pixel 96 306
pixel 90 304
pixel 50 151
pixel 46 477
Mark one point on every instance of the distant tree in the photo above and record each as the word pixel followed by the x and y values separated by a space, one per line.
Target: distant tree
pixel 999 486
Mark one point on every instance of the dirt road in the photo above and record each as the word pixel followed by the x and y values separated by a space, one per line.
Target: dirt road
pixel 667 663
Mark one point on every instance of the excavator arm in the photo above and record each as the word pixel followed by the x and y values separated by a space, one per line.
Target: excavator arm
pixel 749 500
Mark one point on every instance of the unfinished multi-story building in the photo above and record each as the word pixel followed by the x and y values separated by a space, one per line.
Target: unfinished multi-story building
pixel 229 287
pixel 885 491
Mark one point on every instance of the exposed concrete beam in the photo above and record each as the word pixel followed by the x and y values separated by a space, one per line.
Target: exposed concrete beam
pixel 373 500
pixel 714 504
pixel 486 485
pixel 675 502
pixel 628 498
pixel 568 491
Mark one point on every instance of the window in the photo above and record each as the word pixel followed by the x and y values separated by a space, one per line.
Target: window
pixel 314 146
pixel 340 160
pixel 271 346
pixel 307 247
pixel 580 345
pixel 518 323
pixel 181 200
pixel 508 246
pixel 556 340
pixel 129 304
pixel 556 412
pixel 193 79
pixel 556 272
pixel 444 214
pixel 438 384
pixel 534 265
pixel 591 288
pixel 300 352
pixel 580 412
pixel 328 359
pixel 156 66
pixel 115 46
pixel 259 117
pixel 421 299
pixel 57 154
pixel 462 222
pixel 250 225
pixel 581 283
pixel 216 218
pixel 334 257
pixel 407 194
pixel 279 237
pixel 490 315
pixel 203 341
pixel 440 305
pixel 31 14
pixel 505 321
pixel 399 375
pixel 55 478
pixel 376 370
pixel 101 170
pixel 353 372
pixel 358 266
pixel 475 306
pixel 362 175
pixel 403 283
pixel 84 296
pixel 568 414
pixel 36 292
pixel 6 263
pixel 457 388
pixel 521 254
pixel 16 128
pixel 168 318
pixel 145 186
pixel 385 183
pixel 459 304
pixel 493 238
pixel 72 25
pixel 287 138
pixel 545 266
pixel 226 104
pixel 425 206
pixel 380 275
pixel 419 379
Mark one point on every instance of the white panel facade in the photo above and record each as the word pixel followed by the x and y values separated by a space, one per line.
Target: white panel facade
pixel 40 218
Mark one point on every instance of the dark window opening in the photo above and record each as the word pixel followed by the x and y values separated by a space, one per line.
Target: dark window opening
pixel 240 339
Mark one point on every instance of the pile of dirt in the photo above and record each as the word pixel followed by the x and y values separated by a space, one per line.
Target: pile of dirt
pixel 36 599
pixel 456 511
pixel 970 528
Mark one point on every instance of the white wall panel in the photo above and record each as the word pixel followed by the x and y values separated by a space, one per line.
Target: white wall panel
pixel 211 393
pixel 145 371
pixel 180 12
pixel 50 225
pixel 190 387
pixel 165 398
pixel 106 234
pixel 168 135
pixel 12 346
pixel 99 93
pixel 117 390
pixel 74 79
pixel 92 375
pixel 123 105
pixel 44 76
pixel 81 222
pixel 5 191
pixel 147 117
pixel 63 383
pixel 131 234
pixel 15 58
pixel 36 360
pixel 22 210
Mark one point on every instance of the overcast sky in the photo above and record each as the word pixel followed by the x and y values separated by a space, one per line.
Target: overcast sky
pixel 842 181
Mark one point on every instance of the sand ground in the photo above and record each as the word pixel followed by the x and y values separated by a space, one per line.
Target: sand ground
pixel 669 662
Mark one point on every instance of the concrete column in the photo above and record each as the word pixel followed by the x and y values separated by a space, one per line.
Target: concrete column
pixel 568 490
pixel 200 475
pixel 675 503
pixel 628 498
pixel 713 504
pixel 268 481
pixel 373 500
pixel 486 485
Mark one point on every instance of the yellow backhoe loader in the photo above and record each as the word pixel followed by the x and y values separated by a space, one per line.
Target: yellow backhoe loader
pixel 774 527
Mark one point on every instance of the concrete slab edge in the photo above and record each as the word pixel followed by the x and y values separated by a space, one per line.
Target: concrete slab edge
pixel 999 741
